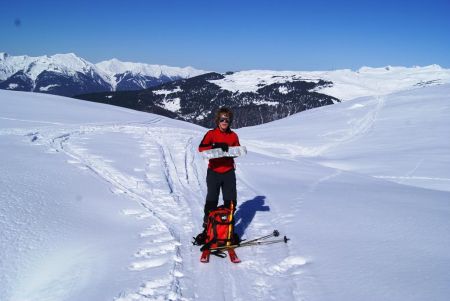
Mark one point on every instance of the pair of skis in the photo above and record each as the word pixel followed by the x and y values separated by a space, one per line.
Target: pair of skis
pixel 263 240
pixel 231 254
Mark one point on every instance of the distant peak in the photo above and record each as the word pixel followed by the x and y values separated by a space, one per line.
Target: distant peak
pixel 3 55
pixel 113 60
pixel 68 55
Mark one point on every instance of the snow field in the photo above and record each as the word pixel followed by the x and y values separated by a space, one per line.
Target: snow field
pixel 164 176
pixel 346 84
pixel 101 203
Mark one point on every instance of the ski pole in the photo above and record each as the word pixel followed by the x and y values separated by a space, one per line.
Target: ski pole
pixel 253 243
pixel 275 233
pixel 267 242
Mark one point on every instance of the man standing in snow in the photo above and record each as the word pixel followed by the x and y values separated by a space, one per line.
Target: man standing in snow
pixel 221 171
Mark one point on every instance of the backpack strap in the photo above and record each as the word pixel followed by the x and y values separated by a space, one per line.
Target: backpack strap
pixel 219 253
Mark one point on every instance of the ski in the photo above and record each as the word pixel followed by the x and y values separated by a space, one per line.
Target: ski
pixel 205 256
pixel 233 257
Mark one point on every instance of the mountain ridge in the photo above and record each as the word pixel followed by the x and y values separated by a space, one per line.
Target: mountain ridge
pixel 68 74
pixel 196 99
pixel 256 96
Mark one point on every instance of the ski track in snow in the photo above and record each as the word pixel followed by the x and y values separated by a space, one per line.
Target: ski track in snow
pixel 156 193
pixel 357 128
pixel 168 186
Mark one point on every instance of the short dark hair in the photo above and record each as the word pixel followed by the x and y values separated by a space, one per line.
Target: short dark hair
pixel 223 111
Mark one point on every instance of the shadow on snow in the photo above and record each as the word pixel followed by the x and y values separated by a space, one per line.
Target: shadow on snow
pixel 246 212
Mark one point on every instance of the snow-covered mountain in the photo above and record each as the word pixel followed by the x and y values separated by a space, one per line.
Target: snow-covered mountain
pixel 196 99
pixel 62 74
pixel 345 84
pixel 68 74
pixel 100 203
pixel 135 76
pixel 262 96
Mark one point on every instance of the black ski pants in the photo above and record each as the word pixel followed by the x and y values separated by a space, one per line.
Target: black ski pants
pixel 216 181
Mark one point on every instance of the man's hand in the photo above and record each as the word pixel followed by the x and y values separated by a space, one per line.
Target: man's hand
pixel 223 146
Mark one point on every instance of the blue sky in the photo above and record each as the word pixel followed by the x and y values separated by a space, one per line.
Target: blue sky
pixel 233 35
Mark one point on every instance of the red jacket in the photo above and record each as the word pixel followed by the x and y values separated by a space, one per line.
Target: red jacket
pixel 220 165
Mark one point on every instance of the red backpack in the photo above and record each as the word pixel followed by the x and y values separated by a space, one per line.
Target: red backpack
pixel 220 229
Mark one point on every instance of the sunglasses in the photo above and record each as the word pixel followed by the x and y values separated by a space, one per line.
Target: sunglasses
pixel 224 120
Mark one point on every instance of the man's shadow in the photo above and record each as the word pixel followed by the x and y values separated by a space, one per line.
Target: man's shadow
pixel 246 212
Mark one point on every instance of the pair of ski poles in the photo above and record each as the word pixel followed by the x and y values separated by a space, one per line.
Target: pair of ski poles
pixel 255 242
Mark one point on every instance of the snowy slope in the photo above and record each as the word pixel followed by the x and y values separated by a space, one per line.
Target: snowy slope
pixel 347 84
pixel 400 137
pixel 69 230
pixel 100 203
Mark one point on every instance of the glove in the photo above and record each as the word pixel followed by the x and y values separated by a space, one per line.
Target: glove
pixel 223 146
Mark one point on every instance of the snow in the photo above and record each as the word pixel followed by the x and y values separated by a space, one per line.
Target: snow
pixel 12 86
pixel 266 102
pixel 283 90
pixel 172 104
pixel 347 84
pixel 167 92
pixel 114 66
pixel 359 136
pixel 70 64
pixel 33 66
pixel 203 115
pixel 46 88
pixel 101 203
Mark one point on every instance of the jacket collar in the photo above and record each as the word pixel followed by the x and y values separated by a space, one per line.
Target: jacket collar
pixel 227 131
